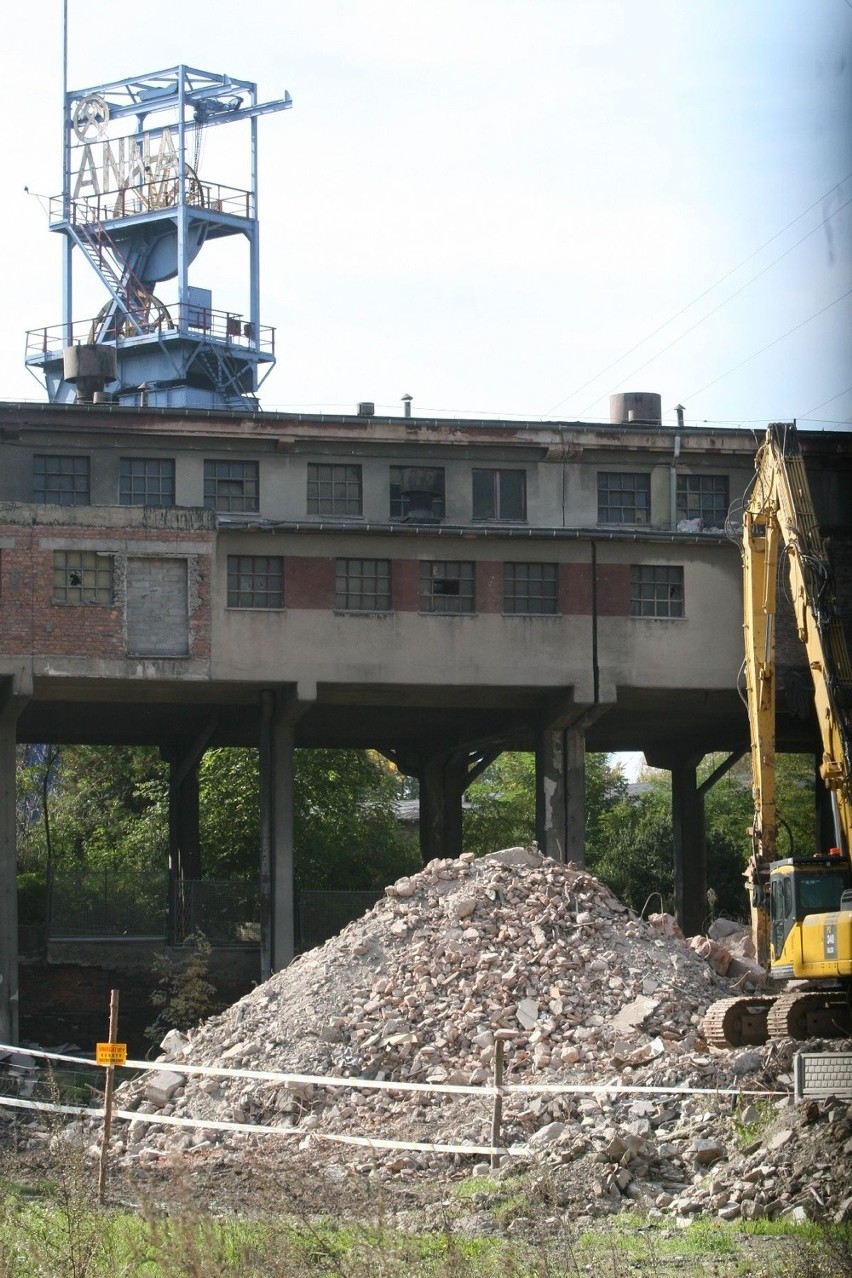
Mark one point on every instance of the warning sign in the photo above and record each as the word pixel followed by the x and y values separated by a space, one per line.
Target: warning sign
pixel 111 1053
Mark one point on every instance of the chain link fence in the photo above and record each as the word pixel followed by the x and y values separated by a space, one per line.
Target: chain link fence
pixel 118 904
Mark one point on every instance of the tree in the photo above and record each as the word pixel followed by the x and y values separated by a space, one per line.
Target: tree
pixel 501 811
pixel 500 805
pixel 346 832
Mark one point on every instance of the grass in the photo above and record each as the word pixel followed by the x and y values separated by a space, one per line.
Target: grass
pixel 751 1119
pixel 56 1229
pixel 39 1240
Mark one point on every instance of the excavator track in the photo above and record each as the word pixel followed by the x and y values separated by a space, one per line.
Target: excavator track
pixel 738 1022
pixel 810 1015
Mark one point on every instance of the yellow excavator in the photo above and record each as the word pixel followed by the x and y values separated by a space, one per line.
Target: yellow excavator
pixel 801 906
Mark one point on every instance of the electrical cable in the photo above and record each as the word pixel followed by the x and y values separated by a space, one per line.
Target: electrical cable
pixel 733 270
pixel 817 407
pixel 715 309
pixel 769 345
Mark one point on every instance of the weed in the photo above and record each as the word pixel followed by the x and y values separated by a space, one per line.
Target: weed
pixel 185 994
pixel 751 1119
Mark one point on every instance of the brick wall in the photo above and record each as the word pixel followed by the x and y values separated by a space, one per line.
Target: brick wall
pixel 30 619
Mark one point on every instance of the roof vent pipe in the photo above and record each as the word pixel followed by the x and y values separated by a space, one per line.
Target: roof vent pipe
pixel 406 405
pixel 679 411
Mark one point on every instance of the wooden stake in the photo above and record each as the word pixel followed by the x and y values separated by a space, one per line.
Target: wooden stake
pixel 110 1080
pixel 500 1037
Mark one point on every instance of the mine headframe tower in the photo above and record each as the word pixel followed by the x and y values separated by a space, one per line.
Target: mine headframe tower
pixel 136 207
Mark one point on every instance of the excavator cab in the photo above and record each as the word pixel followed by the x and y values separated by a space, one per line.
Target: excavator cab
pixel 810 921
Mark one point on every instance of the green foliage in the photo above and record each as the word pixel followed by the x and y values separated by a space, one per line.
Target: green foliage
pixel 346 833
pixel 108 808
pixel 501 811
pixel 32 896
pixel 185 994
pixel 633 852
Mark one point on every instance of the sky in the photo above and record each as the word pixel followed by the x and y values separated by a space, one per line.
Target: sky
pixel 504 208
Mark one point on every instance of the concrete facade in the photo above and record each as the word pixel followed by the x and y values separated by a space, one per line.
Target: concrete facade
pixel 559 592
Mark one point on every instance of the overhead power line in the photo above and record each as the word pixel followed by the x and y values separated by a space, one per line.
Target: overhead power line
pixel 831 400
pixel 769 345
pixel 724 302
pixel 733 270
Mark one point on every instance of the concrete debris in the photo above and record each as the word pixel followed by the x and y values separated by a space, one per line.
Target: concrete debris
pixel 586 993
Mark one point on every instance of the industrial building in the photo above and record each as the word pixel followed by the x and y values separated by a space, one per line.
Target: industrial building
pixel 182 569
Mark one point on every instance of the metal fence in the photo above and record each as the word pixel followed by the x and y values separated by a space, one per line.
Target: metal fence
pixel 225 912
pixel 109 903
pixel 321 915
pixel 119 904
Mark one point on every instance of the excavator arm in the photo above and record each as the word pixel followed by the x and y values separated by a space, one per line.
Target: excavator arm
pixel 780 524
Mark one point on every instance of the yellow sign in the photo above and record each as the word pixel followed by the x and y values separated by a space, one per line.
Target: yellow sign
pixel 111 1053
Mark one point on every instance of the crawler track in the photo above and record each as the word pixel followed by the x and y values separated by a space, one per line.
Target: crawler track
pixel 810 1015
pixel 738 1022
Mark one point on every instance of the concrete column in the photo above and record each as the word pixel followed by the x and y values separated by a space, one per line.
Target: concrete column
pixel 443 780
pixel 184 838
pixel 560 802
pixel 278 941
pixel 8 876
pixel 690 848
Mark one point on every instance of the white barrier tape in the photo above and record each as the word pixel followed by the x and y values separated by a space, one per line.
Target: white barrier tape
pixel 388 1085
pixel 224 1125
pixel 13 1103
pixel 50 1056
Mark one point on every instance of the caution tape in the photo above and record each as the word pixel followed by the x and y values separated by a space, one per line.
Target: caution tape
pixel 258 1129
pixel 390 1085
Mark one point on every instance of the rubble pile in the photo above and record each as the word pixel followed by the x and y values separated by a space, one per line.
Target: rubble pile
pixel 417 989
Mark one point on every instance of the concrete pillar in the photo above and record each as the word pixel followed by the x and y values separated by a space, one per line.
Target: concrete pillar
pixel 560 801
pixel 278 940
pixel 690 848
pixel 184 838
pixel 9 711
pixel 443 779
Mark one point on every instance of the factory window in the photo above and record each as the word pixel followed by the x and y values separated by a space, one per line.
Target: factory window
pixel 255 581
pixel 529 589
pixel 363 585
pixel 82 577
pixel 231 486
pixel 623 498
pixel 656 591
pixel 334 489
pixel 417 492
pixel 446 586
pixel 499 494
pixel 61 481
pixel 146 481
pixel 703 497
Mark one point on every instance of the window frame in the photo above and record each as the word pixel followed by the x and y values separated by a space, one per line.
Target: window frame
pixel 268 598
pixel 219 471
pixel 351 585
pixel 129 482
pixel 459 587
pixel 80 467
pixel 522 604
pixel 657 592
pixel 95 571
pixel 329 505
pixel 399 508
pixel 621 513
pixel 497 498
pixel 700 502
